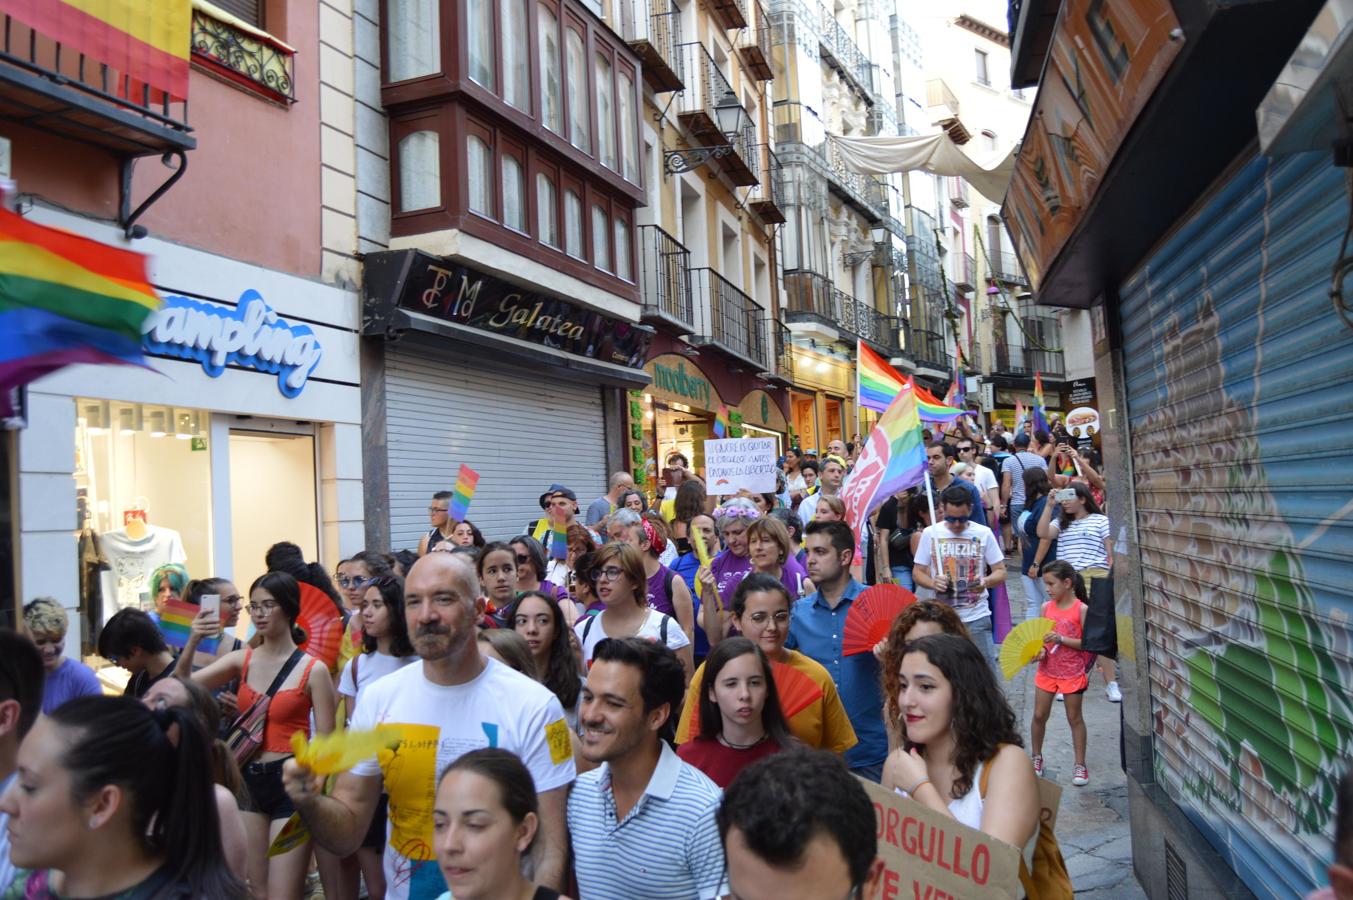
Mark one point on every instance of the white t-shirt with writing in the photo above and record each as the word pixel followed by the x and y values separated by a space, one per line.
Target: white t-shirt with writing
pixel 652 629
pixel 964 559
pixel 440 723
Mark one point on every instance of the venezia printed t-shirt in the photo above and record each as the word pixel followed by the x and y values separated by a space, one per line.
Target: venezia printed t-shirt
pixel 500 708
pixel 963 558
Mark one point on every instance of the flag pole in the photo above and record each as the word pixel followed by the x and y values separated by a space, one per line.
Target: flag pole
pixel 934 544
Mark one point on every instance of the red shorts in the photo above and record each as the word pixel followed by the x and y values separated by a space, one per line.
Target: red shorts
pixel 1074 685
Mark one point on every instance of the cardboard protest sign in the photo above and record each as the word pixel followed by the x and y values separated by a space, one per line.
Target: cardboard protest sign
pixel 929 856
pixel 737 463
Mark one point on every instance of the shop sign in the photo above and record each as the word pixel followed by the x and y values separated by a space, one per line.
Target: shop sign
pixel 760 409
pixel 250 334
pixel 1081 392
pixel 456 293
pixel 1105 61
pixel 676 380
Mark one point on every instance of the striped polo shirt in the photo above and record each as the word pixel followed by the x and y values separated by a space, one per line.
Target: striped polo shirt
pixel 667 848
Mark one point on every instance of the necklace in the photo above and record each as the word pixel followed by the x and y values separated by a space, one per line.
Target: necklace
pixel 732 746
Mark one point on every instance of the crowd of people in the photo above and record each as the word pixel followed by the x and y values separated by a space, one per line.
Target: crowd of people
pixel 659 706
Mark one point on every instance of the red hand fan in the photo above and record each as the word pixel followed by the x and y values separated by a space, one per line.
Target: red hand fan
pixel 323 625
pixel 871 616
pixel 797 692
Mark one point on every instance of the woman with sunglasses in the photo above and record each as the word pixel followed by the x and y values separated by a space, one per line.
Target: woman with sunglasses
pixel 623 589
pixel 354 574
pixel 306 687
pixel 530 559
pixel 727 569
pixel 761 611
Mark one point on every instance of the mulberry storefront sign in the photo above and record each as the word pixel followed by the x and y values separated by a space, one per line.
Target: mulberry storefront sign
pixel 422 283
pixel 250 335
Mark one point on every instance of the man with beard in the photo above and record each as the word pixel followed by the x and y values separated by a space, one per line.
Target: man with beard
pixel 453 702
pixel 817 626
pixel 643 822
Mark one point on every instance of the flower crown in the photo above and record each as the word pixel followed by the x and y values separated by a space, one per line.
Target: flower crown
pixel 737 512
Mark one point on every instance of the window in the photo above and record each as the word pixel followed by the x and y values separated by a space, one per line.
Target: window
pixel 514 193
pixel 547 211
pixel 601 239
pixel 983 76
pixel 622 249
pixel 551 98
pixel 480 172
pixel 413 30
pixel 579 131
pixel 420 180
pixel 989 140
pixel 516 55
pixel 605 113
pixel 479 16
pixel 629 134
pixel 248 11
pixel 573 224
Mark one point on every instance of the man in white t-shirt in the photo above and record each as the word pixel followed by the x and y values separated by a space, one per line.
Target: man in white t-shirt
pixel 453 702
pixel 953 559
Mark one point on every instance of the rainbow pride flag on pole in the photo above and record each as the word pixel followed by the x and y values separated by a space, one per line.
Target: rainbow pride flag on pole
pixel 1040 414
pixel 893 459
pixel 876 382
pixel 558 539
pixel 1019 416
pixel 467 480
pixel 66 299
pixel 933 409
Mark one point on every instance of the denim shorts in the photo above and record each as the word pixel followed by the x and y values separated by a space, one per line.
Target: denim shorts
pixel 264 780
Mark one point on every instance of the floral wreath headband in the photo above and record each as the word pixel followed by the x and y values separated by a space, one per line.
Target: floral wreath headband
pixel 737 512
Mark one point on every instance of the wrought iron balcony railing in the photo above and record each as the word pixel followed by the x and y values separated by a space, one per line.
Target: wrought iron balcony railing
pixel 797 124
pixel 843 54
pixel 705 88
pixel 44 84
pixel 1013 359
pixel 781 347
pixel 665 281
pixel 768 199
pixel 809 295
pixel 652 28
pixel 755 47
pixel 927 348
pixel 965 272
pixel 244 55
pixel 1005 267
pixel 728 319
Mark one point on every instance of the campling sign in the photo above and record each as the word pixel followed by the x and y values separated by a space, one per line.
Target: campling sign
pixel 250 335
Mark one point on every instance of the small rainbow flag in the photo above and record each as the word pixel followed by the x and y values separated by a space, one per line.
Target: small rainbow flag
pixel 66 299
pixel 1019 415
pixel 931 408
pixel 893 460
pixel 1040 414
pixel 558 540
pixel 176 624
pixel 466 481
pixel 876 382
pixel 721 422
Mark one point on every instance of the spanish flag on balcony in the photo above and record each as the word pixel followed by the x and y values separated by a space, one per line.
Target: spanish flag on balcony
pixel 66 299
pixel 146 40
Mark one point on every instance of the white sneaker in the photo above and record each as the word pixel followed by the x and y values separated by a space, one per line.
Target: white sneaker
pixel 1060 697
pixel 1112 692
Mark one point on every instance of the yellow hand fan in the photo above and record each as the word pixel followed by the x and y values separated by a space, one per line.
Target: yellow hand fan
pixel 341 750
pixel 1022 644
pixel 293 834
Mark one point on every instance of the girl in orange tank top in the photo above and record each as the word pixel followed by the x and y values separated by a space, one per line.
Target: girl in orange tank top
pixel 1062 664
pixel 274 606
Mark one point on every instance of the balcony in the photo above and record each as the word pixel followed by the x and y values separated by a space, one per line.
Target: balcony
pixel 705 88
pixel 50 87
pixel 652 28
pixel 810 297
pixel 729 13
pixel 728 320
pixel 798 127
pixel 768 199
pixel 1005 268
pixel 841 52
pixel 665 280
pixel 755 48
pixel 782 354
pixel 927 348
pixel 958 193
pixel 965 273
pixel 246 56
pixel 743 165
pixel 1023 362
pixel 938 95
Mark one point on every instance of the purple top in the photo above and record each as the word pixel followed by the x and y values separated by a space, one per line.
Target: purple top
pixel 792 576
pixel 69 680
pixel 729 570
pixel 659 597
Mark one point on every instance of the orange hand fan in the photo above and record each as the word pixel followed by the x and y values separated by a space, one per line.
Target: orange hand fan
pixel 796 690
pixel 871 616
pixel 323 625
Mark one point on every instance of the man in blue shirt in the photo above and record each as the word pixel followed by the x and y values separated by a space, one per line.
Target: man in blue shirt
pixel 816 628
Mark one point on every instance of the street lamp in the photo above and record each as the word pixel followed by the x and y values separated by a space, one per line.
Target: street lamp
pixel 728 116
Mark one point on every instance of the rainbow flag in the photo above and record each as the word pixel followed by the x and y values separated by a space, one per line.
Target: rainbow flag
pixel 933 409
pixel 66 299
pixel 466 482
pixel 1019 415
pixel 721 422
pixel 1040 414
pixel 893 460
pixel 147 40
pixel 176 624
pixel 876 382
pixel 558 540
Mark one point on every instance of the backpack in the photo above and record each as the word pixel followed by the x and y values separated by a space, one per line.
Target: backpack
pixel 1049 879
pixel 662 629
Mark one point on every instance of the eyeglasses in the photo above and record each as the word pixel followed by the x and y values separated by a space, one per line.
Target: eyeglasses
pixel 610 573
pixel 353 581
pixel 437 509
pixel 760 618
pixel 267 606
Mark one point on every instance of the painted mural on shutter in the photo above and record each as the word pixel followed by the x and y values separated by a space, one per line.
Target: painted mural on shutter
pixel 1240 400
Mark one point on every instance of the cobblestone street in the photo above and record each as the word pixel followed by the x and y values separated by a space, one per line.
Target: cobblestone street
pixel 1093 828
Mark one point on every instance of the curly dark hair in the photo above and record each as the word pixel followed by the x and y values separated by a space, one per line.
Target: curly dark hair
pixel 890 667
pixel 980 717
pixel 562 675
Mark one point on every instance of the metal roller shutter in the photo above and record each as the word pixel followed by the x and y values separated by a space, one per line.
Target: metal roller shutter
pixel 1239 382
pixel 521 430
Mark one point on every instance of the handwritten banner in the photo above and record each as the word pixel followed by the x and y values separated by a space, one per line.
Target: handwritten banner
pixel 929 856
pixel 735 464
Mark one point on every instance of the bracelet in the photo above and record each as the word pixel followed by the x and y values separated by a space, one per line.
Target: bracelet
pixel 917 786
